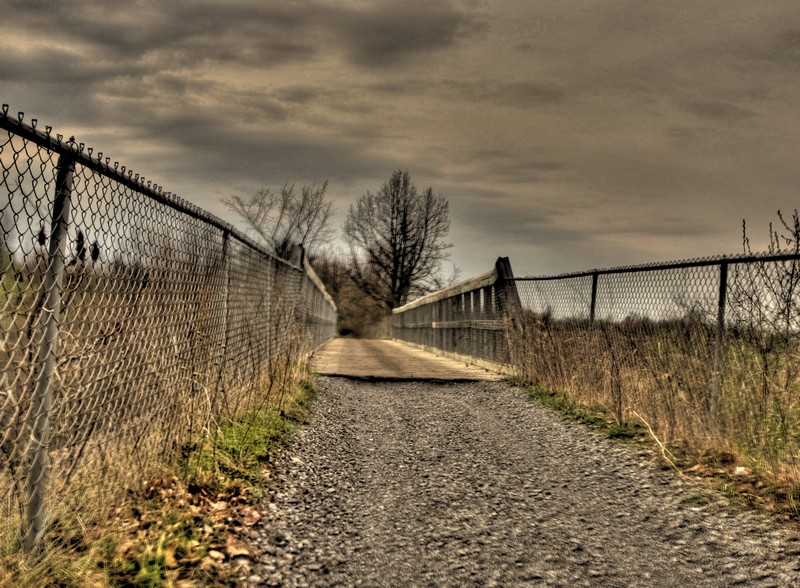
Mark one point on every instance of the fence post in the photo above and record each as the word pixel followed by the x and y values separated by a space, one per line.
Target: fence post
pixel 719 355
pixel 223 353
pixel 48 351
pixel 593 307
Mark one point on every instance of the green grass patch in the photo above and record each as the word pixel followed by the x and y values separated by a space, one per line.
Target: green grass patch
pixel 240 448
pixel 596 418
pixel 226 468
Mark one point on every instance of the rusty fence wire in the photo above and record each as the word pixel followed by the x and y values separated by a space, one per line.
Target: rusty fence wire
pixel 131 322
pixel 706 352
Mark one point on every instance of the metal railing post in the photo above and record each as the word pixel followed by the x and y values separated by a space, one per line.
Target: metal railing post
pixel 719 352
pixel 37 483
pixel 593 307
pixel 225 299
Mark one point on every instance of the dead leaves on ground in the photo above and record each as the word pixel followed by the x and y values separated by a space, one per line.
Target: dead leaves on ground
pixel 189 534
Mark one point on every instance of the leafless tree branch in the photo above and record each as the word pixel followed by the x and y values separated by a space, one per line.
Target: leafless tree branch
pixel 287 218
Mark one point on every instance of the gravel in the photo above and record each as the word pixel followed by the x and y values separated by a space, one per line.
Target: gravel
pixel 471 484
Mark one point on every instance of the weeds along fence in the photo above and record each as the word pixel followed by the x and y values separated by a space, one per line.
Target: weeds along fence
pixel 132 322
pixel 707 352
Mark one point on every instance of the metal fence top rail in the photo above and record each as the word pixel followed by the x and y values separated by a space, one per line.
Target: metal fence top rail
pixel 670 265
pixel 85 156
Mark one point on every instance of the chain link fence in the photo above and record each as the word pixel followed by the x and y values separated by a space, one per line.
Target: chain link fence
pixel 706 352
pixel 131 322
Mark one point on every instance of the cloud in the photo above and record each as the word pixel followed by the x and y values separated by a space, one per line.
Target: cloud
pixel 717 110
pixel 219 153
pixel 780 48
pixel 178 34
pixel 506 167
pixel 523 94
pixel 390 34
pixel 787 46
pixel 298 94
pixel 406 86
pixel 191 32
pixel 54 65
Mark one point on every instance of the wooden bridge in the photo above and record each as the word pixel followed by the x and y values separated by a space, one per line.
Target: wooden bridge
pixel 383 359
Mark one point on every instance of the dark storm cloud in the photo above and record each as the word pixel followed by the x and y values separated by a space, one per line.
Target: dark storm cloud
pixel 724 111
pixel 393 33
pixel 183 32
pixel 219 151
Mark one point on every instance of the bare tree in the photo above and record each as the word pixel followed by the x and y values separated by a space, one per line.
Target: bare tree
pixel 396 239
pixel 333 269
pixel 287 218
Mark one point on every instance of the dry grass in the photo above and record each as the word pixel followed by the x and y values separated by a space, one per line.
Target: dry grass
pixel 663 373
pixel 158 526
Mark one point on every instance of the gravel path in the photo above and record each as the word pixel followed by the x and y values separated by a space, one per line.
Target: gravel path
pixel 422 484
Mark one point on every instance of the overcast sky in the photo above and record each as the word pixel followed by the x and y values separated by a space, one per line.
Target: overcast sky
pixel 566 134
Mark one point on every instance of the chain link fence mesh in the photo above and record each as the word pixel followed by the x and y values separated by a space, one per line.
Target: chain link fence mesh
pixel 630 341
pixel 131 322
pixel 704 351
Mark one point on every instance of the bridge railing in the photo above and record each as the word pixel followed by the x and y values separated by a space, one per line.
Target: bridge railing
pixel 467 319
pixel 132 321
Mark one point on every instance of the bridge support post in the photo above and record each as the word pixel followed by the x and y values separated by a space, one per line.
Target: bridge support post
pixel 509 305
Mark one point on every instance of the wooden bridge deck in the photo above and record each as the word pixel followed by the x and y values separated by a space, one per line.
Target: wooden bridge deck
pixel 383 359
